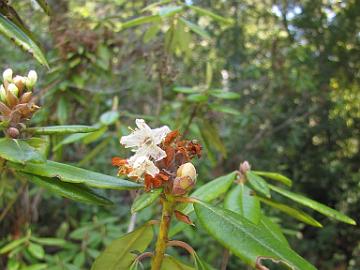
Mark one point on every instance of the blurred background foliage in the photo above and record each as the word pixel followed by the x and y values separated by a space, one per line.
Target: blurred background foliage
pixel 272 82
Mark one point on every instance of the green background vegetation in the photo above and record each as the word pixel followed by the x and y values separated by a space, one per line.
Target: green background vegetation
pixel 293 67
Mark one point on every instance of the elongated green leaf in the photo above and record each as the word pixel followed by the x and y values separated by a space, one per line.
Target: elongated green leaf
pixel 224 94
pixel 212 15
pixel 241 201
pixel 206 193
pixel 47 241
pixel 70 139
pixel 275 176
pixel 298 214
pixel 169 10
pixel 272 228
pixel 12 245
pixel 19 151
pixel 321 208
pixel 109 118
pixel 185 90
pixel 119 254
pixel 224 109
pixel 41 145
pixel 51 130
pixel 196 28
pixel 15 34
pixel 257 183
pixel 76 192
pixel 45 6
pixel 145 199
pixel 170 263
pixel 245 239
pixel 71 174
pixel 140 20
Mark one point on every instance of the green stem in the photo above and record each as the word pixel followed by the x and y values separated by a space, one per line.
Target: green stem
pixel 167 212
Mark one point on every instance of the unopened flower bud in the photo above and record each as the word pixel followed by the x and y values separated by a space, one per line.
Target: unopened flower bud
pixel 187 169
pixel 7 75
pixel 31 79
pixel 2 94
pixel 13 89
pixel 244 167
pixel 19 81
pixel 185 179
pixel 13 132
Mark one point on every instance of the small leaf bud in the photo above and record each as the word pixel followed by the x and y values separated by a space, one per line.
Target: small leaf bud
pixel 2 93
pixel 7 75
pixel 19 81
pixel 13 132
pixel 13 89
pixel 31 79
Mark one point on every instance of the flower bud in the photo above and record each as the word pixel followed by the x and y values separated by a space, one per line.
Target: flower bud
pixel 13 132
pixel 187 169
pixel 185 179
pixel 244 167
pixel 19 81
pixel 7 75
pixel 31 79
pixel 2 94
pixel 13 89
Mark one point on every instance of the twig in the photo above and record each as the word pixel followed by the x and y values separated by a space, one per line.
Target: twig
pixel 225 259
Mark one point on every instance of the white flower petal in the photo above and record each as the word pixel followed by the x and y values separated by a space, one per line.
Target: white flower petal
pixel 142 165
pixel 159 134
pixel 143 126
pixel 153 151
pixel 135 139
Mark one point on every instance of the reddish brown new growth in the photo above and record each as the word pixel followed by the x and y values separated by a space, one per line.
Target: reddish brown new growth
pixel 178 152
pixel 124 169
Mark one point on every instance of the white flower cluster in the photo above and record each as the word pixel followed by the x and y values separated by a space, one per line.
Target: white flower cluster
pixel 145 142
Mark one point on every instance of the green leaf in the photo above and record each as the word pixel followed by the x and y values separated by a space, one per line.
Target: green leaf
pixel 76 192
pixel 257 183
pixel 15 34
pixel 169 10
pixel 245 239
pixel 36 250
pixel 19 151
pixel 185 90
pixel 224 109
pixel 170 263
pixel 197 98
pixel 71 174
pixel 41 145
pixel 211 136
pixel 45 6
pixel 208 192
pixel 319 207
pixel 70 139
pixel 47 241
pixel 140 20
pixel 52 130
pixel 109 118
pixel 151 32
pixel 298 214
pixel 145 199
pixel 272 228
pixel 241 201
pixel 216 17
pixel 224 94
pixel 62 109
pixel 37 266
pixel 196 28
pixel 12 245
pixel 275 176
pixel 119 254
pixel 93 136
